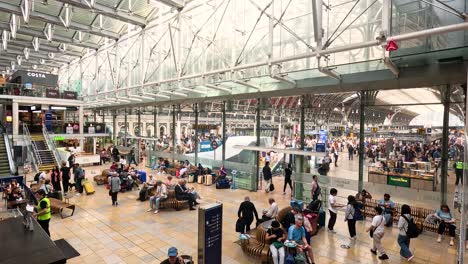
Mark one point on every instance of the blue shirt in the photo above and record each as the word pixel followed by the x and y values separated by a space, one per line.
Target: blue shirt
pixel 445 216
pixel 389 202
pixel 296 234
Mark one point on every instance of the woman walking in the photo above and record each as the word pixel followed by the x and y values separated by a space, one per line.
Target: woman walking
pixel 287 179
pixel 114 182
pixel 65 175
pixel 55 178
pixel 377 231
pixel 403 239
pixel 349 216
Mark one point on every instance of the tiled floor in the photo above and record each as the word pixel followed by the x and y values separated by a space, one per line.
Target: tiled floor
pixel 128 234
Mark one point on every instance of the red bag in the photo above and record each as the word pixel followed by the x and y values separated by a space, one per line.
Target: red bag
pixel 177 173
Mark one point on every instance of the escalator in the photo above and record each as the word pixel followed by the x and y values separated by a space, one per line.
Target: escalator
pixel 4 163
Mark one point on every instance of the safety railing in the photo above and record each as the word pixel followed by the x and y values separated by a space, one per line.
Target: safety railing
pixel 51 144
pixel 36 159
pixel 9 150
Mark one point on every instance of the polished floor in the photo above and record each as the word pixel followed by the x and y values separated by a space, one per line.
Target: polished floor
pixel 128 234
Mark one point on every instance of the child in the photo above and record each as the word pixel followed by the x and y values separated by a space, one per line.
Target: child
pixel 332 209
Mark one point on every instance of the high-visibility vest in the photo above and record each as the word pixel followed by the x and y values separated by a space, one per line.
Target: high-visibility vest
pixel 459 165
pixel 47 215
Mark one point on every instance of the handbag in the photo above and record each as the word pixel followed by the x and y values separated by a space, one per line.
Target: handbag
pixel 278 244
pixel 110 192
pixel 240 226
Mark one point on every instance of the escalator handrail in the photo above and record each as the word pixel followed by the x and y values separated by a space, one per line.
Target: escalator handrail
pixel 32 147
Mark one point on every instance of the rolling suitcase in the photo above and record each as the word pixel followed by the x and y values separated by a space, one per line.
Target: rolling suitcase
pixel 200 179
pixel 223 184
pixel 191 178
pixel 88 187
pixel 321 218
pixel 208 179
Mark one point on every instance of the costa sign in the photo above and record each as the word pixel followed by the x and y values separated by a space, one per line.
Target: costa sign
pixel 36 75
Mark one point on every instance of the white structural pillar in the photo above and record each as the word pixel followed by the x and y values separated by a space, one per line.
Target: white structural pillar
pixel 15 119
pixel 94 145
pixel 81 124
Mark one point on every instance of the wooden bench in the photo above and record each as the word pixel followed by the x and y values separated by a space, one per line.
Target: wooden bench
pixel 172 202
pixel 57 206
pixel 257 246
pixel 103 178
pixel 417 213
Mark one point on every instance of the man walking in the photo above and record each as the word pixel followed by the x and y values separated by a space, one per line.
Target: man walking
pixel 267 176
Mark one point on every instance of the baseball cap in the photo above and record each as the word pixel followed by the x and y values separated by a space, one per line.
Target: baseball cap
pixel 172 252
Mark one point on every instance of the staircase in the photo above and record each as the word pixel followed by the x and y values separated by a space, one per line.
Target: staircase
pixel 47 159
pixel 4 164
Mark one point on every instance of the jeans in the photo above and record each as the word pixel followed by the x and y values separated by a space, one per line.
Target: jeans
pixel 79 186
pixel 404 243
pixel 332 220
pixel 352 227
pixel 156 201
pixel 277 252
pixel 388 219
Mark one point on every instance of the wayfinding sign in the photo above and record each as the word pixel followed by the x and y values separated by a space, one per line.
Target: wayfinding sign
pixel 210 229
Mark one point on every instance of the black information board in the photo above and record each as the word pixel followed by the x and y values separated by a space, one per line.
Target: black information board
pixel 210 233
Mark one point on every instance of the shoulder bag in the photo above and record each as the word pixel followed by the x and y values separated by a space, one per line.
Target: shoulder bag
pixel 371 232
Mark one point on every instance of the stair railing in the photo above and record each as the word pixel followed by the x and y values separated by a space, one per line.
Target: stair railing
pixel 36 159
pixel 51 143
pixel 9 150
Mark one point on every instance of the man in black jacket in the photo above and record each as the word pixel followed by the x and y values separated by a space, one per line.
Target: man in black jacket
pixel 267 176
pixel 246 212
pixel 182 194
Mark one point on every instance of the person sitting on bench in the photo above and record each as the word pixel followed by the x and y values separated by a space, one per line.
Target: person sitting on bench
pixel 183 194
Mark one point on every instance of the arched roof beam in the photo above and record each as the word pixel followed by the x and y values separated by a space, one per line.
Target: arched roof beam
pixel 107 11
pixel 14 9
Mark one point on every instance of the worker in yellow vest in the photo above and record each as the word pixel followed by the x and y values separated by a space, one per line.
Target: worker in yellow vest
pixel 458 166
pixel 43 210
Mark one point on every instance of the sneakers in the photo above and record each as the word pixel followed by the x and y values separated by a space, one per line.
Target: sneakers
pixel 353 238
pixel 439 239
pixel 410 258
pixel 331 231
pixel 149 210
pixel 156 211
pixel 77 194
pixel 451 242
pixel 383 257
pixel 373 251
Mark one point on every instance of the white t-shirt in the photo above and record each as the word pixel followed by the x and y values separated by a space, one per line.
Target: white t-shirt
pixel 331 201
pixel 379 222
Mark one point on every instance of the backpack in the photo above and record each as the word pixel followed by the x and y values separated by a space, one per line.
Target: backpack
pixel 289 259
pixel 318 191
pixel 413 231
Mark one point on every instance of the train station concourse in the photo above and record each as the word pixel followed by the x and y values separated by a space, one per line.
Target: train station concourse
pixel 233 131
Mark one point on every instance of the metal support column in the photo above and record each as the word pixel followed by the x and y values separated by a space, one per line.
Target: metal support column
pixel 223 127
pixel 362 108
pixel 445 94
pixel 114 127
pixel 196 133
pixel 302 137
pixel 366 98
pixel 126 128
pixel 95 116
pixel 174 142
pixel 464 185
pixel 257 143
pixel 139 122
